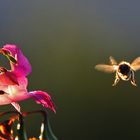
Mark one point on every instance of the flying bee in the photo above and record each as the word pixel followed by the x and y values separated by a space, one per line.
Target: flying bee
pixel 124 70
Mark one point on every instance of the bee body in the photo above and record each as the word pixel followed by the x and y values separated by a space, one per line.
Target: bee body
pixel 124 71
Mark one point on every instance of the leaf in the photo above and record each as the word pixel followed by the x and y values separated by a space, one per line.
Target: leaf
pixel 46 131
pixel 48 134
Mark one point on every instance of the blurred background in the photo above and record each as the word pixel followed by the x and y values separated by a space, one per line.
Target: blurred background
pixel 64 40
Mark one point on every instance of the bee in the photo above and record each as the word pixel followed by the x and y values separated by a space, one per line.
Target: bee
pixel 124 70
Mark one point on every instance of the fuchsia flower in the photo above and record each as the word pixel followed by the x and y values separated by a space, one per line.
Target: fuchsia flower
pixel 13 83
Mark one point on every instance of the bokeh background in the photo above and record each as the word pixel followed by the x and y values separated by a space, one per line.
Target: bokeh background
pixel 64 40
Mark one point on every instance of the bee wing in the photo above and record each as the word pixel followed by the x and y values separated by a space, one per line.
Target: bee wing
pixel 112 61
pixel 136 64
pixel 106 68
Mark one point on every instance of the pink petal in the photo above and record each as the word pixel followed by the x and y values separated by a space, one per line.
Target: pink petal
pixel 5 99
pixel 22 82
pixel 43 98
pixel 16 106
pixel 8 78
pixel 23 66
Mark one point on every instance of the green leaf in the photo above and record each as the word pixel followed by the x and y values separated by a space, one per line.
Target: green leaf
pixel 48 134
pixel 46 131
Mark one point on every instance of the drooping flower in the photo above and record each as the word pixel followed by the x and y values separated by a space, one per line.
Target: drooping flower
pixel 13 83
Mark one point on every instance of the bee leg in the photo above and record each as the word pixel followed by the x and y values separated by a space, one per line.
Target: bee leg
pixel 133 82
pixel 117 79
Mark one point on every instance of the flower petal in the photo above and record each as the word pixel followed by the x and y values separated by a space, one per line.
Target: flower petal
pixel 43 98
pixel 23 66
pixel 16 106
pixel 5 99
pixel 8 78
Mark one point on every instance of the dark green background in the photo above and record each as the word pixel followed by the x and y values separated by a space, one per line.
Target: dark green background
pixel 63 41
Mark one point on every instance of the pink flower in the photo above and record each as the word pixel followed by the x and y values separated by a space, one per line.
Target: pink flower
pixel 13 83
